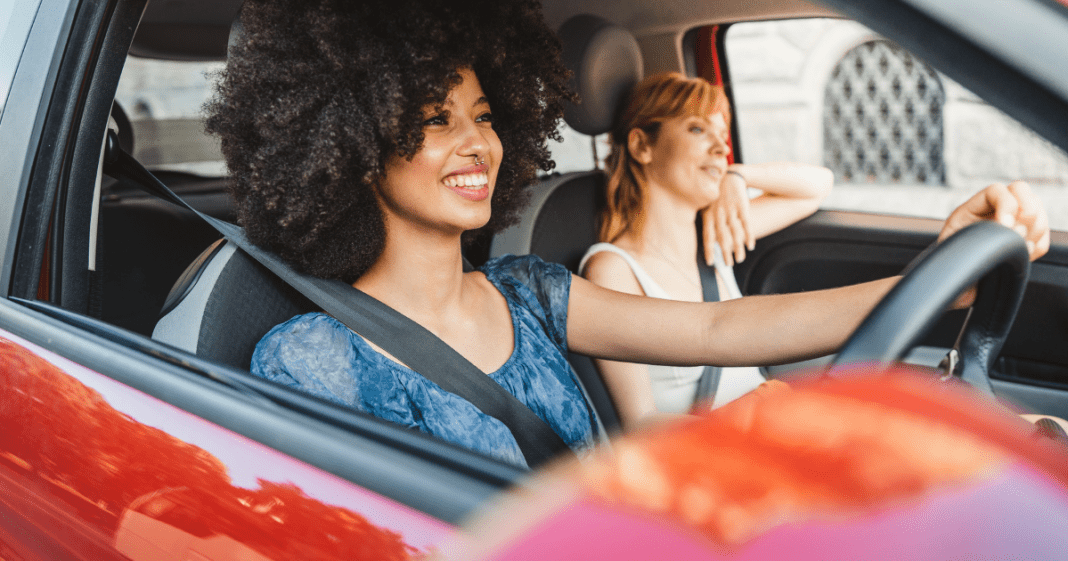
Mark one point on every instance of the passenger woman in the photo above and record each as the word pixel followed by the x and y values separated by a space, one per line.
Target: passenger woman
pixel 366 141
pixel 669 162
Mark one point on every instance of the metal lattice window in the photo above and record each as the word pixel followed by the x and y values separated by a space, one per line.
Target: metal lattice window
pixel 883 118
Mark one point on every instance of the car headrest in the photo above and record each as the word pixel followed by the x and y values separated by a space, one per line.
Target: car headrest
pixel 606 62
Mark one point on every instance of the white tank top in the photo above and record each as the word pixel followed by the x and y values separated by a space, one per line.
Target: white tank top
pixel 674 387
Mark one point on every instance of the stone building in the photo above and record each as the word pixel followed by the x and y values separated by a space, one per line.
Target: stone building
pixel 832 92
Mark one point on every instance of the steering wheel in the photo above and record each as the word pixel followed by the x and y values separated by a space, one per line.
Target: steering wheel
pixel 985 252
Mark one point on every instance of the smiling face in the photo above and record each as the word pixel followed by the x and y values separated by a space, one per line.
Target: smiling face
pixel 688 157
pixel 447 185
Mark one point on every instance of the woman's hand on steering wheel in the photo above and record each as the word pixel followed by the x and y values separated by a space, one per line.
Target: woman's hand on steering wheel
pixel 727 221
pixel 1014 206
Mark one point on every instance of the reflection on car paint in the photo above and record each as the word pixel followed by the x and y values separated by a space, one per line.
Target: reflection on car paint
pixel 896 467
pixel 99 470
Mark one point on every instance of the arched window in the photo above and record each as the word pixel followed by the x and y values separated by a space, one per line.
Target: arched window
pixel 882 120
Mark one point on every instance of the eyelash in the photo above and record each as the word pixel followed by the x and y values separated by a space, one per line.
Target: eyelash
pixel 439 119
pixel 442 119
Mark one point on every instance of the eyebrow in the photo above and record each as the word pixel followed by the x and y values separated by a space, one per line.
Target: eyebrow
pixel 479 101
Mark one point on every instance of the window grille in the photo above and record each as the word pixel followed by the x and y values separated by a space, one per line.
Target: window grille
pixel 883 118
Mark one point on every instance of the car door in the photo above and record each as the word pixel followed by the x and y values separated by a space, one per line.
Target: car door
pixel 908 142
pixel 117 447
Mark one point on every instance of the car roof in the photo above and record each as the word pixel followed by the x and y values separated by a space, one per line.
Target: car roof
pixel 198 29
pixel 1009 53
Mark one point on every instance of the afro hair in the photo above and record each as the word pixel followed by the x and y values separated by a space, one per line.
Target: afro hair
pixel 319 94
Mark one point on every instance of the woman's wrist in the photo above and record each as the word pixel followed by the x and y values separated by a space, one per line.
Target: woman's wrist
pixel 736 173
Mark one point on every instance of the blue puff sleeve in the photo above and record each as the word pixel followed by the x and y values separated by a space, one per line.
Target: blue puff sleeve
pixel 548 286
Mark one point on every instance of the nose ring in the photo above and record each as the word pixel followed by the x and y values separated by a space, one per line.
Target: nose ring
pixel 479 162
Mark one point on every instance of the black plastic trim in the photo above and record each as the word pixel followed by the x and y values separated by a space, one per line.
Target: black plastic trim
pixel 728 89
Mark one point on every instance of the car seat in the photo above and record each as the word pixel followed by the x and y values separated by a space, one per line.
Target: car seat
pixel 144 243
pixel 560 223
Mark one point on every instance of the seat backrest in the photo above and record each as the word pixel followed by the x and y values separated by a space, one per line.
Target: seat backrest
pixel 560 223
pixel 223 304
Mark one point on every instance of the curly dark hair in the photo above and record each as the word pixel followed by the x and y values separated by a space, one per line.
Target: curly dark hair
pixel 319 94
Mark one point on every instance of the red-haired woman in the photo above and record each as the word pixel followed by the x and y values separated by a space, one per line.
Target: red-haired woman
pixel 668 163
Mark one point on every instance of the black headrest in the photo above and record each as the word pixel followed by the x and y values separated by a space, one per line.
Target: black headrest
pixel 606 62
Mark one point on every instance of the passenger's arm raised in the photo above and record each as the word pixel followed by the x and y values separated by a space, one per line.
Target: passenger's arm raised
pixel 791 192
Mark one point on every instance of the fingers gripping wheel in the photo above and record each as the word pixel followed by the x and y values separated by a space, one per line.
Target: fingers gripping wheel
pixel 987 253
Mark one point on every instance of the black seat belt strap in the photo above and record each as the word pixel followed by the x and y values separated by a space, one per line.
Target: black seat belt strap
pixel 708 383
pixel 409 342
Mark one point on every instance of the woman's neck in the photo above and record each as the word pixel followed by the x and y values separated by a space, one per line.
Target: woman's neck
pixel 667 228
pixel 419 274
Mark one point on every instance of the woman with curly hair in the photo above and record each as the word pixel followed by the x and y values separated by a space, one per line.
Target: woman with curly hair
pixel 366 140
pixel 668 164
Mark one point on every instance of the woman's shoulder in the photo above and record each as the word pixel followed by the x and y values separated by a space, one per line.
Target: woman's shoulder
pixel 530 270
pixel 309 325
pixel 611 267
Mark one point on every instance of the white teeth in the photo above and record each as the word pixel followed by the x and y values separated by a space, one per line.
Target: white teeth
pixel 470 180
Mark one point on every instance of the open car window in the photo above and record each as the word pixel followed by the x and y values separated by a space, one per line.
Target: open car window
pixel 164 101
pixel 901 137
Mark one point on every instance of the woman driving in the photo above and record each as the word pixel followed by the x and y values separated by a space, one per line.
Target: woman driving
pixel 366 141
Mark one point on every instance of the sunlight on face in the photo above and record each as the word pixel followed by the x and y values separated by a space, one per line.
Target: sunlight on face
pixel 448 184
pixel 689 157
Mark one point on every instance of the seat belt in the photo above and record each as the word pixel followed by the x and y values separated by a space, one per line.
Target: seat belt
pixel 409 342
pixel 708 383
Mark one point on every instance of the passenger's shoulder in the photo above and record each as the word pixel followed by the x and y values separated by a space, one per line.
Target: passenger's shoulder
pixel 611 270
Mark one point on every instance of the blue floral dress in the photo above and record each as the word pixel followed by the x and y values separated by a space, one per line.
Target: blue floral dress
pixel 317 354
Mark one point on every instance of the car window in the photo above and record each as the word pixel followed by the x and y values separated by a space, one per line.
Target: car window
pixel 15 20
pixel 577 151
pixel 900 137
pixel 164 101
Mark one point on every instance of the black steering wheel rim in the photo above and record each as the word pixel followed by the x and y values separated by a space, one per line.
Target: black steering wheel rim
pixel 986 253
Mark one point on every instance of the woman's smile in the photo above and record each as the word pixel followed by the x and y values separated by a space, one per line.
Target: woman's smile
pixel 713 171
pixel 471 183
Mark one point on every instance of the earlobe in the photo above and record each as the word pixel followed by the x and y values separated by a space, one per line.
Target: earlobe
pixel 638 146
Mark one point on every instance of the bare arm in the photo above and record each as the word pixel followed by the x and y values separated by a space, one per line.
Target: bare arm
pixel 791 191
pixel 753 330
